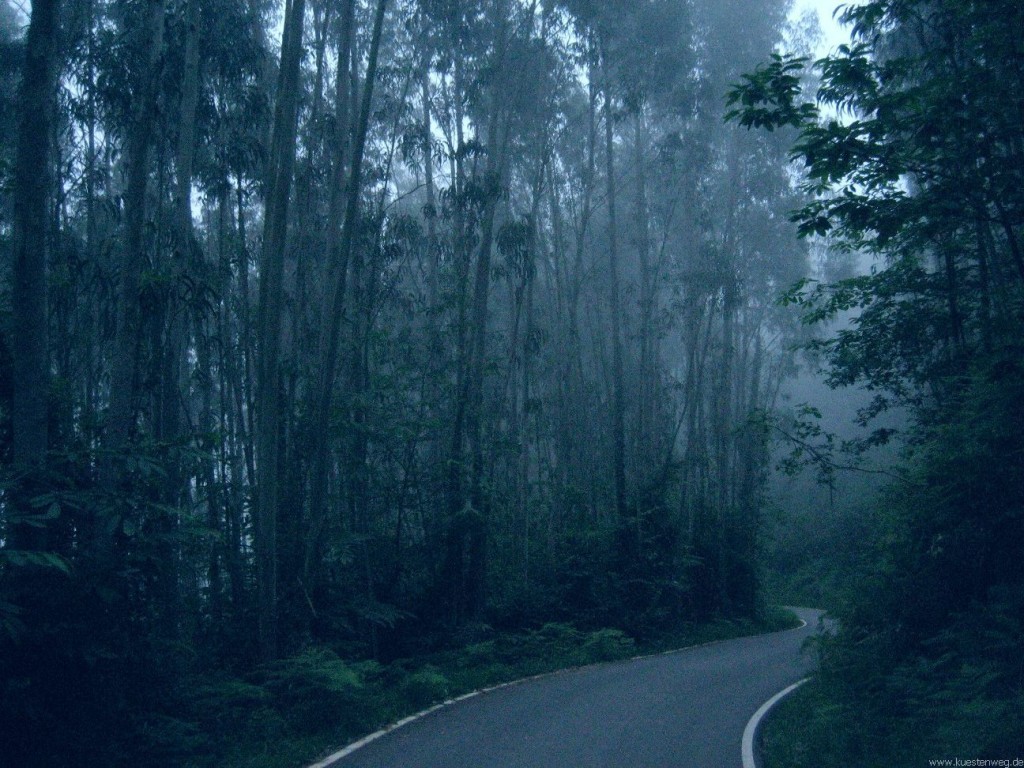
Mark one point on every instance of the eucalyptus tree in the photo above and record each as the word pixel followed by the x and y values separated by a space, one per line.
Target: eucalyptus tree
pixel 31 200
pixel 143 114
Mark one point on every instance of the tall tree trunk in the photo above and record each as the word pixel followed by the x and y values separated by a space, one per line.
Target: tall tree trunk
pixel 244 393
pixel 303 278
pixel 271 305
pixel 526 383
pixel 330 336
pixel 465 557
pixel 430 209
pixel 170 332
pixel 236 389
pixel 186 246
pixel 645 456
pixel 575 422
pixel 91 246
pixel 452 568
pixel 724 439
pixel 473 585
pixel 336 281
pixel 615 308
pixel 124 374
pixel 31 197
pixel 124 368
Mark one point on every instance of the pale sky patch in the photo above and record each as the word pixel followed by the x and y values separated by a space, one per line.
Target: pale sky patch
pixel 833 33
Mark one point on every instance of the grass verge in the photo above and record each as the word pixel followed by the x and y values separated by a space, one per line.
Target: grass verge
pixel 918 719
pixel 786 740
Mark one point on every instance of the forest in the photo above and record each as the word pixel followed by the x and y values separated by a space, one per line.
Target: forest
pixel 355 354
pixel 343 333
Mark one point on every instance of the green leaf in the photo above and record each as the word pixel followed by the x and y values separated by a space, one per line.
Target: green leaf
pixel 26 557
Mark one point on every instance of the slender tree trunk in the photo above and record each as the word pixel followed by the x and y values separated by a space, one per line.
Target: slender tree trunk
pixel 330 338
pixel 91 250
pixel 238 449
pixel 125 364
pixel 474 410
pixel 124 369
pixel 271 306
pixel 244 392
pixel 336 280
pixel 464 570
pixel 984 284
pixel 185 151
pixel 645 456
pixel 526 383
pixel 953 298
pixel 186 248
pixel 615 307
pixel 303 279
pixel 170 334
pixel 723 438
pixel 575 424
pixel 455 464
pixel 304 183
pixel 32 176
pixel 430 209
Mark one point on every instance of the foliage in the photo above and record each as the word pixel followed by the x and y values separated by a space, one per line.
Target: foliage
pixel 316 689
pixel 917 166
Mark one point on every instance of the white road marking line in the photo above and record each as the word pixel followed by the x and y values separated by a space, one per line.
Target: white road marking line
pixel 751 730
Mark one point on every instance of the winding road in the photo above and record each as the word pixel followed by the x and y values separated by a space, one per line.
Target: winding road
pixel 685 709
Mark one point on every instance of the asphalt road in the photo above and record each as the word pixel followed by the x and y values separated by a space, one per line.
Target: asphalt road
pixel 686 709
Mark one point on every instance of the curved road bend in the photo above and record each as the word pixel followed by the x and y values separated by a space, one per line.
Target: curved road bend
pixel 685 709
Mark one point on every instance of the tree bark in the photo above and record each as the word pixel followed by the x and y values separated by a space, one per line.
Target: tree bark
pixel 124 368
pixel 330 335
pixel 464 571
pixel 615 308
pixel 31 201
pixel 269 325
pixel 335 277
pixel 186 246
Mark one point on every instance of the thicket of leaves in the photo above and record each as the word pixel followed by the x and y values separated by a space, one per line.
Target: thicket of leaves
pixel 919 162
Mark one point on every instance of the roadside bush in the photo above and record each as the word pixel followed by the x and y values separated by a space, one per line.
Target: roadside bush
pixel 229 707
pixel 316 690
pixel 425 687
pixel 608 645
pixel 167 742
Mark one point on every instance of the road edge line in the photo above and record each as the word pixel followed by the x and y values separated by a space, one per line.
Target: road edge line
pixel 750 732
pixel 333 758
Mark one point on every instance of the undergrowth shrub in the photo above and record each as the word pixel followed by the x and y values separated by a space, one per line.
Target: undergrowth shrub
pixel 608 645
pixel 229 707
pixel 424 687
pixel 316 690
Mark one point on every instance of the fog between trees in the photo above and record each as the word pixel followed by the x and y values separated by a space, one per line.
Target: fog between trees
pixel 377 325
